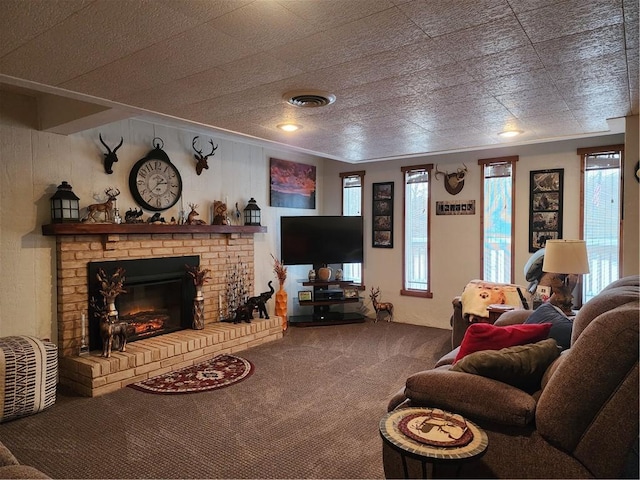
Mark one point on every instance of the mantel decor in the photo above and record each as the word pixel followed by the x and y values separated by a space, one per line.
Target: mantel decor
pixel 137 228
pixel 545 214
pixel 382 234
pixel 65 205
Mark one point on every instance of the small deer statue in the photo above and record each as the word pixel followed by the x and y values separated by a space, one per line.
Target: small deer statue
pixel 191 218
pixel 202 159
pixel 106 208
pixel 110 157
pixel 381 306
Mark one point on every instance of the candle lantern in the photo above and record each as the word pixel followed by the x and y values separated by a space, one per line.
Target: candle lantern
pixel 65 206
pixel 252 213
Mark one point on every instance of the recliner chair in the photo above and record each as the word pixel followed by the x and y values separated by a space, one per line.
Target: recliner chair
pixel 582 423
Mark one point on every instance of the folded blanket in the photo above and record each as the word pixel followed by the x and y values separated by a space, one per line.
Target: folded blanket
pixel 478 295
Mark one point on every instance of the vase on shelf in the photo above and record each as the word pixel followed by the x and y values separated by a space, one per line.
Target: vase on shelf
pixel 281 306
pixel 324 274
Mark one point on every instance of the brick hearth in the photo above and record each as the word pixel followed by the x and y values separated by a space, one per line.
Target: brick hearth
pixel 94 375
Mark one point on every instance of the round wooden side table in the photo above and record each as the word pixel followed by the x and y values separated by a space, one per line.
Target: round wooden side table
pixel 429 455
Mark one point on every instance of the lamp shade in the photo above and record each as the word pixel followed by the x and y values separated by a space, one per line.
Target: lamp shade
pixel 565 256
pixel 252 213
pixel 65 206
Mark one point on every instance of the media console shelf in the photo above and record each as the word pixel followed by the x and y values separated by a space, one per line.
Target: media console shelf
pixel 322 314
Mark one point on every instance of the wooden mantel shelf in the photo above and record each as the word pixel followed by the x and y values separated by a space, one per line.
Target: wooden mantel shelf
pixel 142 228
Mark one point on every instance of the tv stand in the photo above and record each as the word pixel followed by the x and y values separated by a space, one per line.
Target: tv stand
pixel 323 298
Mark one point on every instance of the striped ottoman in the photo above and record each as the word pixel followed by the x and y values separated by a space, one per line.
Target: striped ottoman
pixel 28 376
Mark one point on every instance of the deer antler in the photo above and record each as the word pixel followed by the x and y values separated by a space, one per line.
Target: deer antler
pixel 111 193
pixel 439 172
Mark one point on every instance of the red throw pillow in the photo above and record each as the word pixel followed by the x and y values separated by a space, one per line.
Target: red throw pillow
pixel 484 336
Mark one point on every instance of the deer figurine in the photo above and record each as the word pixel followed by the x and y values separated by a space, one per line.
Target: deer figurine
pixel 191 218
pixel 454 181
pixel 381 306
pixel 202 159
pixel 110 157
pixel 105 208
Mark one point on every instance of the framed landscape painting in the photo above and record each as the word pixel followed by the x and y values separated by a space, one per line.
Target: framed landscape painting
pixel 293 185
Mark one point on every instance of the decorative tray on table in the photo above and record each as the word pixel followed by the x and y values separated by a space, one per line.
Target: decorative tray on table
pixel 436 428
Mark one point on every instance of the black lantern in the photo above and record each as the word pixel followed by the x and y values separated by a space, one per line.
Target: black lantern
pixel 65 206
pixel 252 213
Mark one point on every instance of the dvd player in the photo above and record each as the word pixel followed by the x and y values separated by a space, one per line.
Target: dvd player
pixel 329 295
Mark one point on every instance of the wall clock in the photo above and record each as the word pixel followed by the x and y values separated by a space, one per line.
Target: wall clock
pixel 154 181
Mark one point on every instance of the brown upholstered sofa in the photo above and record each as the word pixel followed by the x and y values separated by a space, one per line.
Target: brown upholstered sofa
pixel 11 468
pixel 581 423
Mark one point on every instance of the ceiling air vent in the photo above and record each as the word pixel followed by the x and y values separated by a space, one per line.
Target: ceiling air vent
pixel 309 98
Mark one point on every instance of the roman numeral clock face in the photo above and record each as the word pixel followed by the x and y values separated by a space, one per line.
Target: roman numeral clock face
pixel 155 183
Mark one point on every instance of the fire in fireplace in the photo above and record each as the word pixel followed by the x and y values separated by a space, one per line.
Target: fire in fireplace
pixel 158 299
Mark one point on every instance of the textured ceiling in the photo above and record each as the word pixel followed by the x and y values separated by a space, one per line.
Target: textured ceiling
pixel 411 77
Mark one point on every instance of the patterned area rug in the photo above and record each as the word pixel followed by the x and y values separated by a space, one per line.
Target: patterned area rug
pixel 220 371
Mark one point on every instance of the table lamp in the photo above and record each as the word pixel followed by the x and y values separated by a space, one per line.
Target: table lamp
pixel 566 258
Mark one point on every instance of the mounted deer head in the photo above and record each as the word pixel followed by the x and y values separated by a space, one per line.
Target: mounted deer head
pixel 202 159
pixel 454 181
pixel 110 157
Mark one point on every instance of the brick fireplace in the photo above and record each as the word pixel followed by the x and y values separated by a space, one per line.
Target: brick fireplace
pixel 79 244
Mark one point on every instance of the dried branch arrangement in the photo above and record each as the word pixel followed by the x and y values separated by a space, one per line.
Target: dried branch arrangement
pixel 199 276
pixel 279 269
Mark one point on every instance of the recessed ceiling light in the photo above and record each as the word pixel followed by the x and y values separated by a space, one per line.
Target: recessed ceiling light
pixel 510 133
pixel 289 127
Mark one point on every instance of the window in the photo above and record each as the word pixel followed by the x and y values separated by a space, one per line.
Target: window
pixel 496 205
pixel 417 202
pixel 352 201
pixel 601 192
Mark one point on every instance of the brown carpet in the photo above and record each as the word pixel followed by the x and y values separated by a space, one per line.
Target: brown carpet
pixel 310 410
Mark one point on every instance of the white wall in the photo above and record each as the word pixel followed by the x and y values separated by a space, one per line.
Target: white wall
pixel 455 247
pixel 34 163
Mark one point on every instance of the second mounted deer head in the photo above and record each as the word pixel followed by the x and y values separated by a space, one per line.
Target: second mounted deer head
pixel 202 159
pixel 453 181
pixel 110 157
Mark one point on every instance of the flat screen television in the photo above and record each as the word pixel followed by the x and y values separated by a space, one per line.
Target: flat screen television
pixel 311 240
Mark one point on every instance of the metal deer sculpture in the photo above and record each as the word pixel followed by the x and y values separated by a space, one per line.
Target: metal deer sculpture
pixel 106 208
pixel 381 306
pixel 202 159
pixel 110 157
pixel 454 181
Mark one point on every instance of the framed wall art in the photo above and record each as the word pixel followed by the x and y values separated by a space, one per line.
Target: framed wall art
pixel 293 184
pixel 382 234
pixel 545 211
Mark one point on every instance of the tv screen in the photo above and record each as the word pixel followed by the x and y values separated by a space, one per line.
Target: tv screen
pixel 319 240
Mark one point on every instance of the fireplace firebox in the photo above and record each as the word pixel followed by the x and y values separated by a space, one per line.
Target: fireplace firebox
pixel 158 299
